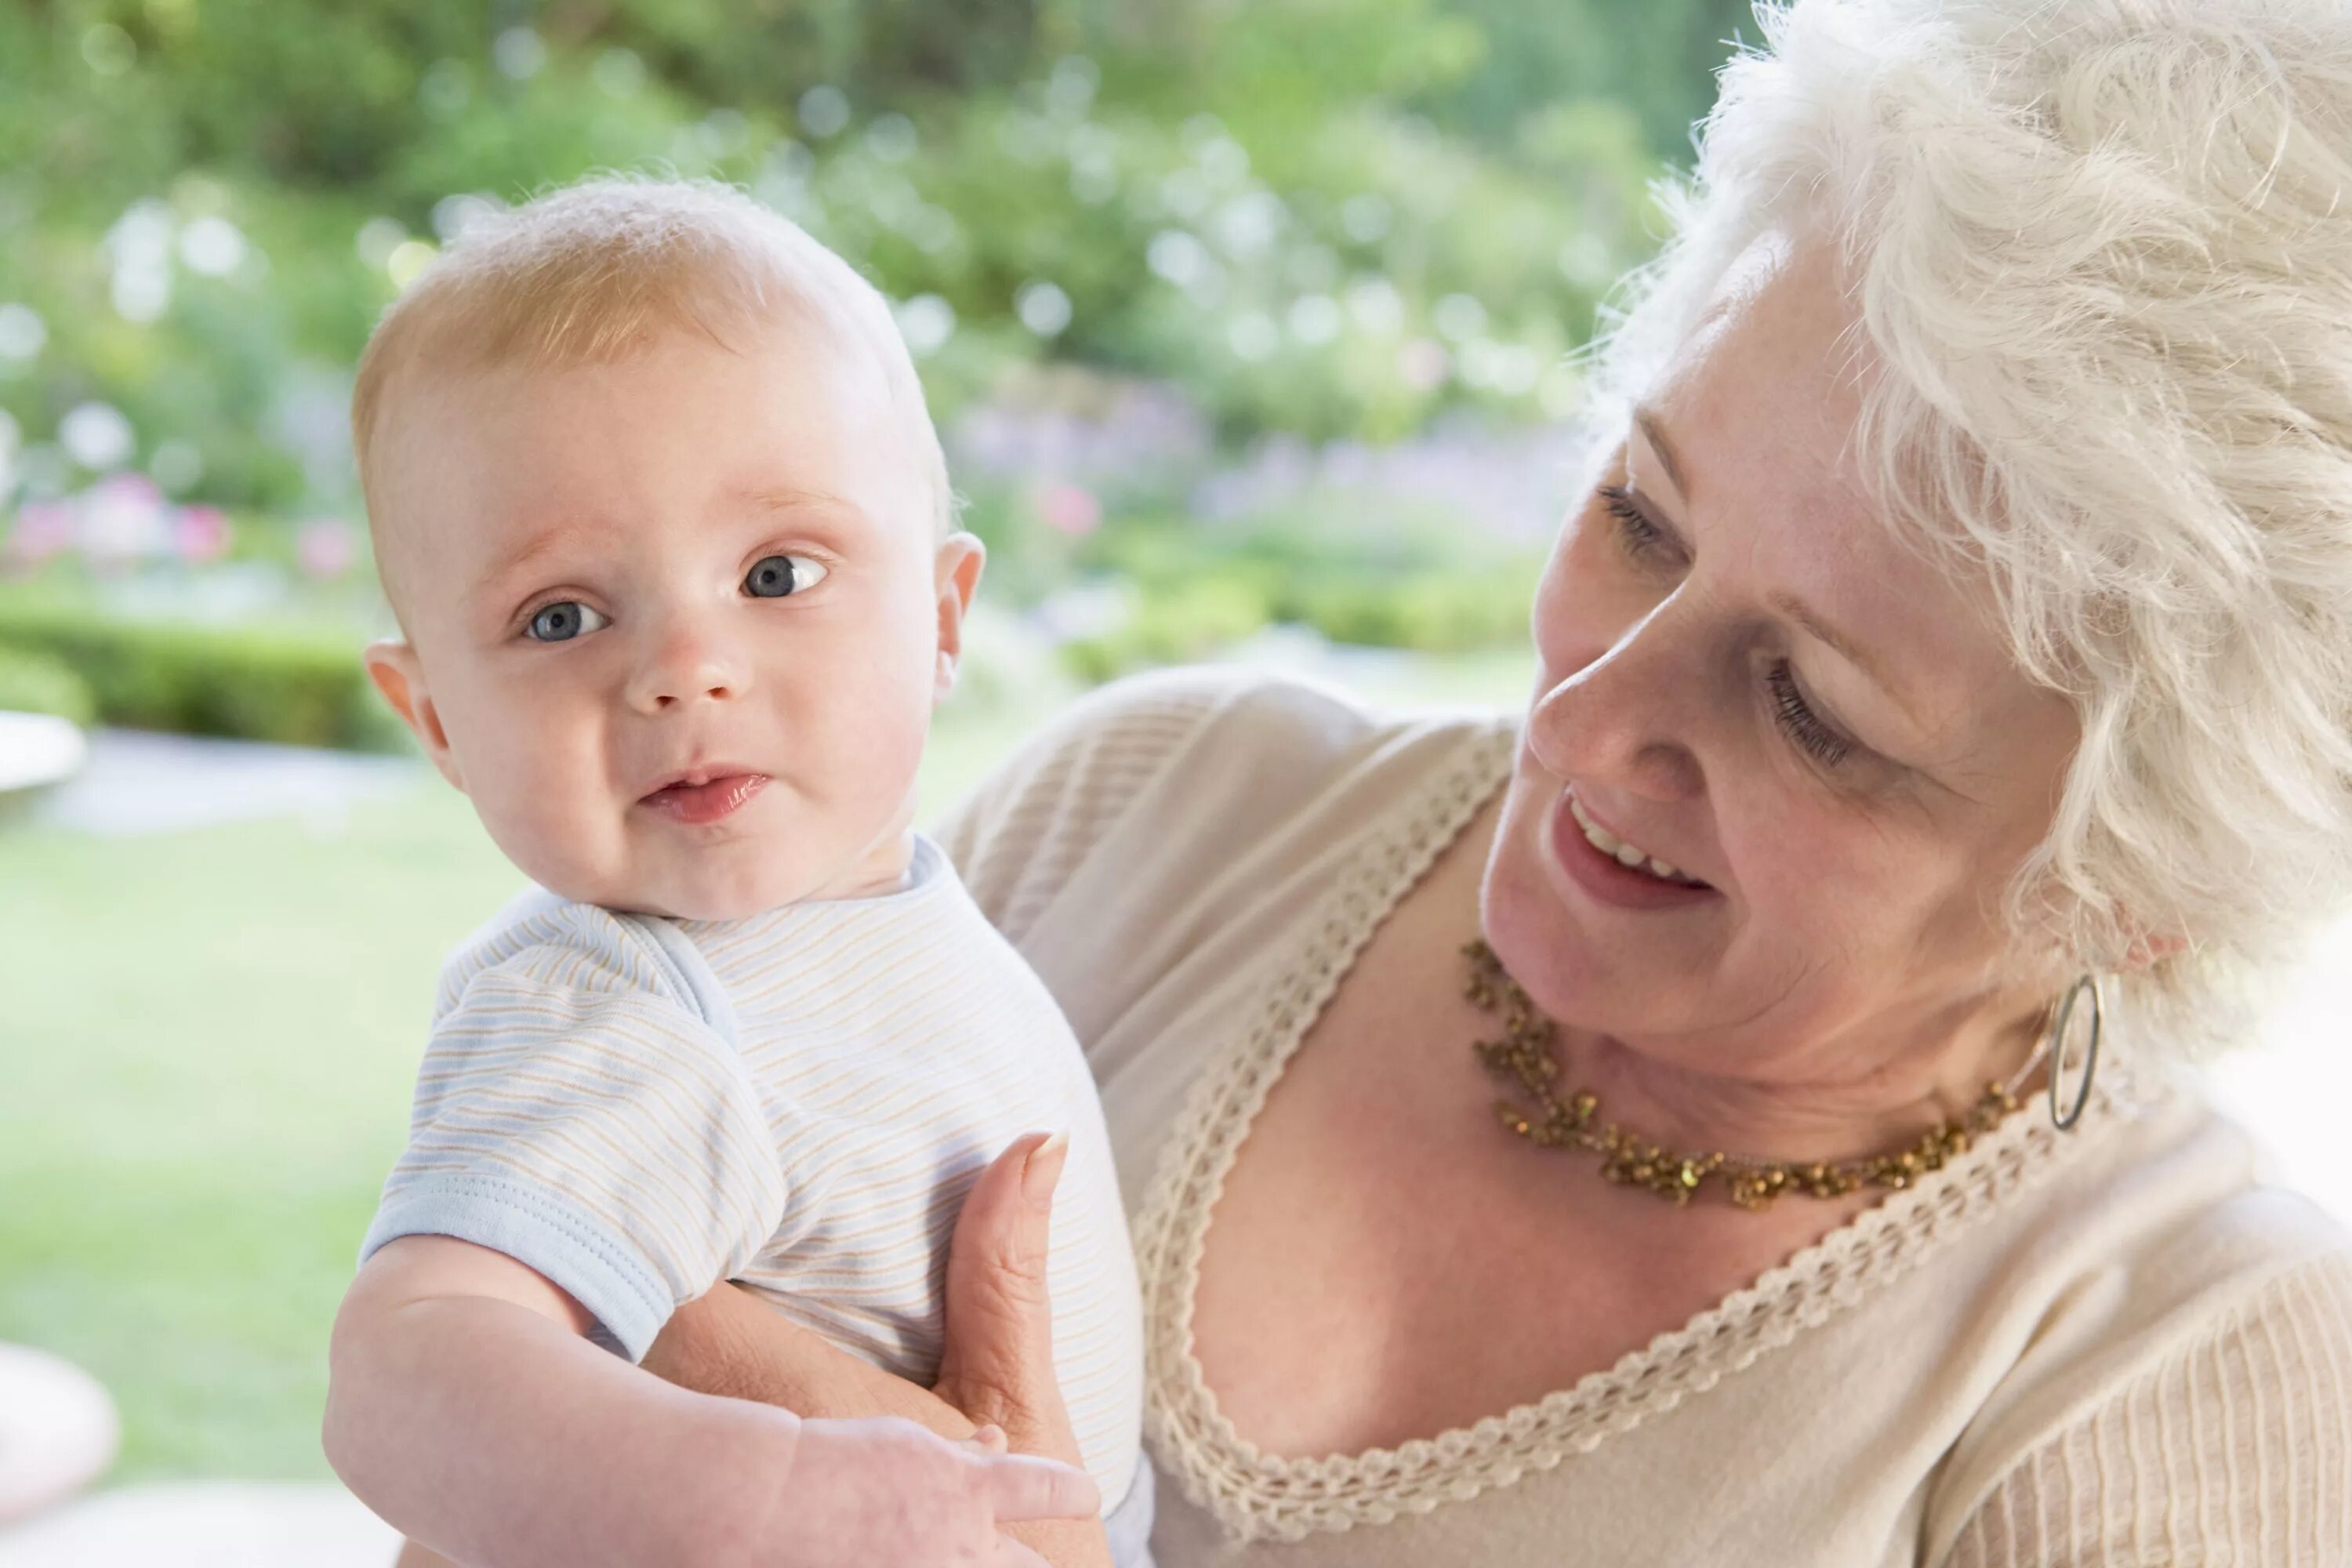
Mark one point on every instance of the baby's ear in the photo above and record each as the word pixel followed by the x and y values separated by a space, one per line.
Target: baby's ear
pixel 393 665
pixel 956 575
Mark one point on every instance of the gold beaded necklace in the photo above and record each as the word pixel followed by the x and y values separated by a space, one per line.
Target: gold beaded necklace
pixel 1526 1054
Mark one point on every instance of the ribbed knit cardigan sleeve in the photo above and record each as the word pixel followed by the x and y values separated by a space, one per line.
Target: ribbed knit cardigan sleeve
pixel 2236 1449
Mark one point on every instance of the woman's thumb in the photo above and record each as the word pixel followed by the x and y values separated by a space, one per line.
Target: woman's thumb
pixel 998 1362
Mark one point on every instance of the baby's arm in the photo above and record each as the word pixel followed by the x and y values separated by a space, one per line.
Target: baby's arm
pixel 999 1365
pixel 731 1344
pixel 467 1409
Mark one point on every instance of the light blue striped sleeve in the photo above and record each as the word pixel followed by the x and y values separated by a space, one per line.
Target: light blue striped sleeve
pixel 575 1112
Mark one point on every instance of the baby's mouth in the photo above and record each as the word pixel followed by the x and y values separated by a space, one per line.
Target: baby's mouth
pixel 701 798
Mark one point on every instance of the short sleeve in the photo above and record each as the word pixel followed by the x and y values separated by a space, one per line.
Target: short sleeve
pixel 2236 1449
pixel 573 1116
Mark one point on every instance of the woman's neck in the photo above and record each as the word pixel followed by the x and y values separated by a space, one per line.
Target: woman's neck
pixel 1828 1115
pixel 1820 1106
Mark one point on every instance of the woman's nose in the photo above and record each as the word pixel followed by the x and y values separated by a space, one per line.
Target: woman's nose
pixel 1621 718
pixel 687 665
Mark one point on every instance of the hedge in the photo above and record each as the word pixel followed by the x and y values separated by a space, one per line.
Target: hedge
pixel 1434 612
pixel 35 682
pixel 299 686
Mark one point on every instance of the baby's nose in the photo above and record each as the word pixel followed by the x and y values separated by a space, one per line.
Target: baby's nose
pixel 688 669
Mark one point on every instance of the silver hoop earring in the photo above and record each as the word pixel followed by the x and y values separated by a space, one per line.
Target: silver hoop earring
pixel 2063 1113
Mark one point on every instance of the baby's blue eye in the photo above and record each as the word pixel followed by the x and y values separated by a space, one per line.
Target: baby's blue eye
pixel 563 621
pixel 774 576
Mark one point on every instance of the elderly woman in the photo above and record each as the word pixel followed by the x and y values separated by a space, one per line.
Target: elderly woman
pixel 1944 711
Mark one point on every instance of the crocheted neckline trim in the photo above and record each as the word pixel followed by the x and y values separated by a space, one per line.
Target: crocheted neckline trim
pixel 1259 1497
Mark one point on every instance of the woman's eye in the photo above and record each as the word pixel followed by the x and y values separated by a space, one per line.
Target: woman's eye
pixel 564 620
pixel 774 576
pixel 1794 714
pixel 1636 534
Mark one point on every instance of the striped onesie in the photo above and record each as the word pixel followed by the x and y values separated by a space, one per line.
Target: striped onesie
pixel 639 1107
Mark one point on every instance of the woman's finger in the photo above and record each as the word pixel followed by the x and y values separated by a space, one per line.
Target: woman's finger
pixel 1020 1488
pixel 997 1364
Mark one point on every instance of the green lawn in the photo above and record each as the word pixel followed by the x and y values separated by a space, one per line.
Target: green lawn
pixel 207 1041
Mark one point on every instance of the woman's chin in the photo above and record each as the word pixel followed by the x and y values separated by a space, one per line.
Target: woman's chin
pixel 1579 961
pixel 1538 936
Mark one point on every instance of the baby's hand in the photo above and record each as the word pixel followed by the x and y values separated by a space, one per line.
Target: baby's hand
pixel 882 1492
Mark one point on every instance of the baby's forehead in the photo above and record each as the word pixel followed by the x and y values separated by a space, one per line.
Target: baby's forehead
pixel 480 466
pixel 803 371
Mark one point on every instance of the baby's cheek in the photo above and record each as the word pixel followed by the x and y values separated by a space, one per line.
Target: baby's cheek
pixel 884 720
pixel 870 781
pixel 543 804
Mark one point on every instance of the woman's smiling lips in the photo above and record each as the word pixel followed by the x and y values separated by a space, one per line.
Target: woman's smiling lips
pixel 1603 876
pixel 705 795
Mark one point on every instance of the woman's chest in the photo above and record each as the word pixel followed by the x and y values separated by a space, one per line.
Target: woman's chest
pixel 1647 1496
pixel 1339 1308
pixel 1386 1377
pixel 1384 1262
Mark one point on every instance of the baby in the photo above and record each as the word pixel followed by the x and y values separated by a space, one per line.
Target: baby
pixel 667 530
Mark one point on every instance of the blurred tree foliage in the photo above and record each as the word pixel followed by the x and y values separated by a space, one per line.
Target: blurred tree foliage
pixel 1330 216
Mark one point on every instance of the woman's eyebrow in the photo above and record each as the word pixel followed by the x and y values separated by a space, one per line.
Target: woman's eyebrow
pixel 1654 432
pixel 1852 652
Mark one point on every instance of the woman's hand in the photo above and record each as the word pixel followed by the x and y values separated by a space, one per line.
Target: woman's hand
pixel 997 1367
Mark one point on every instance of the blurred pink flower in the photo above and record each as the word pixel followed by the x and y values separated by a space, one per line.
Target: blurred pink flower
pixel 324 549
pixel 44 529
pixel 201 534
pixel 1068 509
pixel 128 491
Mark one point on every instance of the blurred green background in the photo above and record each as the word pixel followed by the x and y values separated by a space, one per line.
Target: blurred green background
pixel 1250 328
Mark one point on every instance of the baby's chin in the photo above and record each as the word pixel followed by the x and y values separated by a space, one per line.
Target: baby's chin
pixel 689 897
pixel 751 867
pixel 752 884
pixel 712 892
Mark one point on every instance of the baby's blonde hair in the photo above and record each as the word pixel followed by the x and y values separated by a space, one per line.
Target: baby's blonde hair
pixel 598 271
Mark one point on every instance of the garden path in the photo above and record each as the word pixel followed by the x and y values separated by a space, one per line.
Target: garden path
pixel 137 782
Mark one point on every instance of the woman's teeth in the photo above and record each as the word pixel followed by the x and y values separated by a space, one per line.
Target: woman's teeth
pixel 1626 855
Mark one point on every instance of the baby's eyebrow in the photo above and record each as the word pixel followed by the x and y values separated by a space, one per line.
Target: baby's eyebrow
pixel 790 498
pixel 546 541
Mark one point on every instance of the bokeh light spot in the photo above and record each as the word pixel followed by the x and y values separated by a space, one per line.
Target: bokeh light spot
pixel 1043 307
pixel 408 259
pixel 107 50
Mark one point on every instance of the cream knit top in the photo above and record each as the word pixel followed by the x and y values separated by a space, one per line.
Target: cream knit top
pixel 2108 1347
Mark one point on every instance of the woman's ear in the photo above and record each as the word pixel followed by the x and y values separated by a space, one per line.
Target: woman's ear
pixel 957 575
pixel 2151 949
pixel 393 665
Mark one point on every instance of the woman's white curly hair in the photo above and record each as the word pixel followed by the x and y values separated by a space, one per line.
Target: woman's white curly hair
pixel 2100 253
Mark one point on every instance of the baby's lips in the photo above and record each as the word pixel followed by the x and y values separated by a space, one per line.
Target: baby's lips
pixel 698 805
